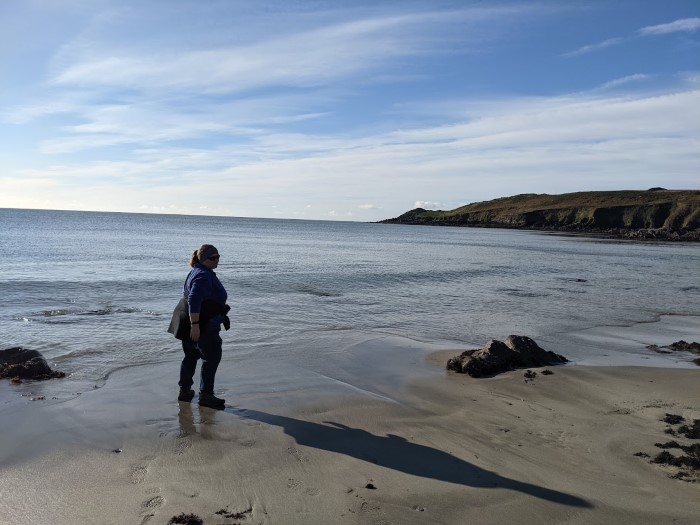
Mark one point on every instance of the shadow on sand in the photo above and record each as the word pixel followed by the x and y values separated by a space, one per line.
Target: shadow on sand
pixel 397 453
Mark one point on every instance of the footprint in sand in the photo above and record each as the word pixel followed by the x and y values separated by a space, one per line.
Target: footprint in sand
pixel 297 454
pixel 182 445
pixel 150 507
pixel 139 471
pixel 138 474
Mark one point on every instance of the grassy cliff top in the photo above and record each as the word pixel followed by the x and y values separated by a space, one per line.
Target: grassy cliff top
pixel 528 202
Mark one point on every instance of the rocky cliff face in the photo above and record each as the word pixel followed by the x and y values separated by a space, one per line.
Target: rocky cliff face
pixel 658 214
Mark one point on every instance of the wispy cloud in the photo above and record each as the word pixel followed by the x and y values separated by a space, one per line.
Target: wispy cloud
pixel 119 93
pixel 428 205
pixel 313 57
pixel 684 25
pixel 239 108
pixel 595 47
pixel 629 79
pixel 512 146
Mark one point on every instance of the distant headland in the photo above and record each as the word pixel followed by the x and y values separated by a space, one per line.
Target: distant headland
pixel 654 214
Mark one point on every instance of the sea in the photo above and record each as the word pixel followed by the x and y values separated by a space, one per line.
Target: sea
pixel 94 292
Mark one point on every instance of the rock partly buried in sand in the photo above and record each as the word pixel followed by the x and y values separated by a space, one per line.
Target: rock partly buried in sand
pixel 687 347
pixel 678 346
pixel 495 357
pixel 21 363
pixel 186 519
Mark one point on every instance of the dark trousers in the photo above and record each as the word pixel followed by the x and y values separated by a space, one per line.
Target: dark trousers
pixel 208 349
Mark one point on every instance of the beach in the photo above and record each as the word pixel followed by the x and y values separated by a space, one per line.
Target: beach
pixel 419 446
pixel 339 407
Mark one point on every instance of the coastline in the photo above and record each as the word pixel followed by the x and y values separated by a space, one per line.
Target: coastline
pixel 296 446
pixel 643 235
pixel 656 214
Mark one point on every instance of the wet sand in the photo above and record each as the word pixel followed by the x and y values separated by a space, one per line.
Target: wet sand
pixel 298 447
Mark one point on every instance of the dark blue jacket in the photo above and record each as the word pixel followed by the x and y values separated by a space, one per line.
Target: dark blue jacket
pixel 204 294
pixel 202 284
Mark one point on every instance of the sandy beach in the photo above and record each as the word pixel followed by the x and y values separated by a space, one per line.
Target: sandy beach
pixel 296 448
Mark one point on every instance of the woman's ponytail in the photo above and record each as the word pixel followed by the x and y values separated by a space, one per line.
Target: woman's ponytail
pixel 194 259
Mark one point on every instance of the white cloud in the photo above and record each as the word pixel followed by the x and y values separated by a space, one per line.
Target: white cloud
pixel 510 146
pixel 131 124
pixel 428 205
pixel 682 25
pixel 625 80
pixel 595 47
pixel 303 59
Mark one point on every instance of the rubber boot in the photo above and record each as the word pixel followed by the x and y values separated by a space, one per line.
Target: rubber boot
pixel 185 395
pixel 211 401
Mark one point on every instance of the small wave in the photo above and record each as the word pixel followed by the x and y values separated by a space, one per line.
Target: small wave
pixel 522 293
pixel 56 313
pixel 568 290
pixel 337 328
pixel 101 311
pixel 109 310
pixel 690 289
pixel 66 316
pixel 49 320
pixel 317 293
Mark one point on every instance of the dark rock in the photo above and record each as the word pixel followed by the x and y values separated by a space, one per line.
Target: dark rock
pixel 370 486
pixel 666 458
pixel 687 347
pixel 673 419
pixel 668 444
pixel 689 464
pixel 658 349
pixel 186 519
pixel 496 357
pixel 232 515
pixel 20 363
pixel 691 431
pixel 455 363
pixel 678 346
pixel 547 372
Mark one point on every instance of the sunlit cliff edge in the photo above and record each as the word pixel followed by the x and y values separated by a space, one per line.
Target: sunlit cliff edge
pixel 651 214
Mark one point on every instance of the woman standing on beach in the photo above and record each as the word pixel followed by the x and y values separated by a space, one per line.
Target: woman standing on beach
pixel 197 322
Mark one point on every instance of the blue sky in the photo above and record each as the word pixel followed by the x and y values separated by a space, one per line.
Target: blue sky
pixel 342 110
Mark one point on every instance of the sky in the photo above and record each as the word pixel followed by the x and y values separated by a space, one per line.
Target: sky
pixel 342 110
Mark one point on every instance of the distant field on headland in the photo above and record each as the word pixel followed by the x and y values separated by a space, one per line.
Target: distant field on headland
pixel 651 214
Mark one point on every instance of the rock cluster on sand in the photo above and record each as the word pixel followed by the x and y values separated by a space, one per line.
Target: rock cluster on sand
pixel 22 363
pixel 678 346
pixel 495 357
pixel 687 465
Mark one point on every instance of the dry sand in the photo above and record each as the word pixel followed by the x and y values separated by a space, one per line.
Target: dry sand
pixel 449 449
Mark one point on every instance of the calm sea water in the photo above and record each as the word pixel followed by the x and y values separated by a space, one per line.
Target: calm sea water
pixel 94 291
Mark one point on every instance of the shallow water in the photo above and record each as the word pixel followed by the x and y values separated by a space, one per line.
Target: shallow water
pixel 94 291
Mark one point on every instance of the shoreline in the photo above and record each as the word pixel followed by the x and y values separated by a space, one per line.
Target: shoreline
pixel 642 235
pixel 409 443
